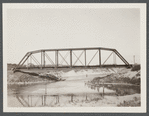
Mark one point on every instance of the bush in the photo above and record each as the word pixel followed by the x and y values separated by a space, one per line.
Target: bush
pixel 136 68
pixel 132 103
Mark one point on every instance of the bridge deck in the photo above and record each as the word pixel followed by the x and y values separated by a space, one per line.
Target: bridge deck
pixel 102 66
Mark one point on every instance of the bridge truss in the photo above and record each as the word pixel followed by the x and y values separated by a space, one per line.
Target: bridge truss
pixel 70 58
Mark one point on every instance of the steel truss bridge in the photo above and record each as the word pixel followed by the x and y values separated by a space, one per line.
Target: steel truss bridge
pixel 56 63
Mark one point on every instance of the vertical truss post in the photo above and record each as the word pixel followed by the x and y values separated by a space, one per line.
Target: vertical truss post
pixel 27 63
pixel 41 59
pixel 100 57
pixel 71 58
pixel 30 61
pixel 56 59
pixel 85 56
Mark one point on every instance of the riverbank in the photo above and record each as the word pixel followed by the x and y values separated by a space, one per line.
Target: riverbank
pixel 122 74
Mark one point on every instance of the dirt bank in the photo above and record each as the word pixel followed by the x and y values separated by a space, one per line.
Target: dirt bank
pixel 117 73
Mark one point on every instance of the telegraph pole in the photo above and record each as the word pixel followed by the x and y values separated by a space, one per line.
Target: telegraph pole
pixel 134 59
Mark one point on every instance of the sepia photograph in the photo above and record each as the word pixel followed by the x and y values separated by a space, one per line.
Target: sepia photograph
pixel 74 57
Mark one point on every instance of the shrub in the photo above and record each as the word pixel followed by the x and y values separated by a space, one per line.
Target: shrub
pixel 132 103
pixel 136 68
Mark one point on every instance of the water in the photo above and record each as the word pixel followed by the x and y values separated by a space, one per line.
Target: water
pixel 61 93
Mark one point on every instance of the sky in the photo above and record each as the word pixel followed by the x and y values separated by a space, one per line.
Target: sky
pixel 46 28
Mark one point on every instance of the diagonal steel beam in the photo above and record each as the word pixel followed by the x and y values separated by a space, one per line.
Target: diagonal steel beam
pixel 121 57
pixel 114 58
pixel 37 101
pixel 26 59
pixel 20 101
pixel 49 59
pixel 107 58
pixel 77 58
pixel 24 100
pixel 63 58
pixel 35 59
pixel 92 57
pixel 22 59
pixel 26 56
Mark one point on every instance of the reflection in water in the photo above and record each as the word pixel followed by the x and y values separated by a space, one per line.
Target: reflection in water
pixel 56 100
pixel 52 100
pixel 119 88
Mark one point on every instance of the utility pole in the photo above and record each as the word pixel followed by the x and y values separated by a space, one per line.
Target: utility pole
pixel 134 59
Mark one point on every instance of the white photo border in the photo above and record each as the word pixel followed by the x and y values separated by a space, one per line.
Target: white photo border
pixel 143 61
